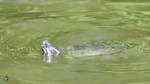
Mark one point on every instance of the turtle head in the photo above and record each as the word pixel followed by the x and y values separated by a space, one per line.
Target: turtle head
pixel 49 51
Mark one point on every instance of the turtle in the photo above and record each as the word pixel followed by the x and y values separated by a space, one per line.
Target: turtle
pixel 81 50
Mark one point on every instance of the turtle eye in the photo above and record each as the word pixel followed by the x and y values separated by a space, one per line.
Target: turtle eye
pixel 47 46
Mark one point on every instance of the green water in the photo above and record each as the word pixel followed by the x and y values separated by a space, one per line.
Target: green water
pixel 24 24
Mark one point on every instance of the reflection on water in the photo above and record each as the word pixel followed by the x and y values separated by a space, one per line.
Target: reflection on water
pixel 33 2
pixel 24 24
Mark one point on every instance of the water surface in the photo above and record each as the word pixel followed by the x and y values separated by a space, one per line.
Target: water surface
pixel 25 24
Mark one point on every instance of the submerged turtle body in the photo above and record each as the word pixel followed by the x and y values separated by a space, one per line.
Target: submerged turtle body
pixel 92 50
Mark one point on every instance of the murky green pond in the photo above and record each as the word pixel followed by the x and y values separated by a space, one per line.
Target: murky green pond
pixel 24 24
